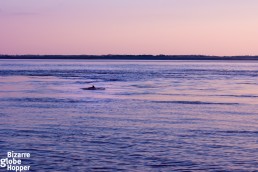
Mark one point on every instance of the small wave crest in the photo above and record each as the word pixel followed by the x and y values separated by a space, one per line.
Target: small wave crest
pixel 46 100
pixel 240 96
pixel 195 102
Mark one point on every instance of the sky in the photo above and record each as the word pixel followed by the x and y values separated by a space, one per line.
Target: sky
pixel 97 27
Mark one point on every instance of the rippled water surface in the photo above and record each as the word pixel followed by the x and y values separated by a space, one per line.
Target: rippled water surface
pixel 152 116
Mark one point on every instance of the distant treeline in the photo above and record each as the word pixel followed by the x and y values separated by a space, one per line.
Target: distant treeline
pixel 130 57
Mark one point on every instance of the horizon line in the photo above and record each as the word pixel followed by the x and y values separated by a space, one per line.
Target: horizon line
pixel 153 55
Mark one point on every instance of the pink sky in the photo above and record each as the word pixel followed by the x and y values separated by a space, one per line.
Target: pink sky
pixel 208 27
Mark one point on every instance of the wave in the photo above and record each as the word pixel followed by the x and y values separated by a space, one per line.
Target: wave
pixel 241 96
pixel 224 132
pixel 195 102
pixel 47 100
pixel 239 132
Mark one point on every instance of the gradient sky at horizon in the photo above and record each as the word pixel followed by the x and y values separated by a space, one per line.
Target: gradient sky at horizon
pixel 208 27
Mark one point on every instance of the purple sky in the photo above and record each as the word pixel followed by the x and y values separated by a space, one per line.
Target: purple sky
pixel 209 27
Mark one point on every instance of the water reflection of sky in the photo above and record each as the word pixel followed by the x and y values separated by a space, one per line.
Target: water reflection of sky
pixel 164 115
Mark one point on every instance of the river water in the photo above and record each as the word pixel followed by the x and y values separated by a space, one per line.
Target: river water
pixel 152 115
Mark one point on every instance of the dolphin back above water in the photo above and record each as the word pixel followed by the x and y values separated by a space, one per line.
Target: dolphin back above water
pixel 93 88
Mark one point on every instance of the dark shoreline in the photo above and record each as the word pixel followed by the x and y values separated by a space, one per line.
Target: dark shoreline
pixel 129 57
